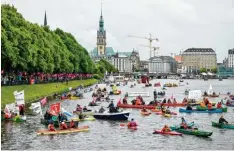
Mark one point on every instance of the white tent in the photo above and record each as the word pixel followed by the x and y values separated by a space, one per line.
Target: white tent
pixel 210 74
pixel 203 73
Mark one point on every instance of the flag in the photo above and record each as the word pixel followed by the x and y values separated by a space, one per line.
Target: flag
pixel 19 97
pixel 43 101
pixel 36 107
pixel 55 109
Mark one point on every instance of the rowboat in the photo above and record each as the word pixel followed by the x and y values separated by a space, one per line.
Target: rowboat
pixel 197 111
pixel 200 108
pixel 70 130
pixel 226 126
pixel 112 116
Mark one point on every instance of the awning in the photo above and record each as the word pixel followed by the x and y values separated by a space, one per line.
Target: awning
pixel 203 73
pixel 210 74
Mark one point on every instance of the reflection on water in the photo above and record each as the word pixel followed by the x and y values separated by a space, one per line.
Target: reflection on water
pixel 110 135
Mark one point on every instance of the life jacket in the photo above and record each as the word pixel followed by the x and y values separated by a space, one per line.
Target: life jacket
pixel 72 124
pixel 79 108
pixel 138 102
pixel 63 126
pixel 166 129
pixel 202 104
pixel 219 105
pixel 51 127
pixel 132 124
pixel 209 106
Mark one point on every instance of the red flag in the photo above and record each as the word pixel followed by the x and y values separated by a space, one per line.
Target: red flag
pixel 43 101
pixel 55 109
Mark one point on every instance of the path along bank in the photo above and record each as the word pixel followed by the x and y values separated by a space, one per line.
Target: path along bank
pixel 38 91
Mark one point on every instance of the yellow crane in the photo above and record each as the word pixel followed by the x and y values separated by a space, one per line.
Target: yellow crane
pixel 150 41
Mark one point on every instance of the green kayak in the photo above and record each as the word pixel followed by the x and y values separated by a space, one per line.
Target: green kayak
pixel 17 120
pixel 194 132
pixel 227 126
pixel 224 109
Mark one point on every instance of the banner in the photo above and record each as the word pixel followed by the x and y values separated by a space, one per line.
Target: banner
pixel 43 101
pixel 19 97
pixel 55 109
pixel 36 107
pixel 195 94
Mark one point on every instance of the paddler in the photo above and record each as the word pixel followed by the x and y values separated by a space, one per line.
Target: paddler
pixel 132 123
pixel 125 100
pixel 72 124
pixel 209 106
pixel 174 101
pixel 51 127
pixel 166 129
pixel 78 108
pixel 183 123
pixel 63 125
pixel 169 101
pixel 168 111
pixel 85 109
pixel 144 110
pixel 189 107
pixel 101 110
pixel 219 105
pixel 155 95
pixel 222 120
pixel 138 101
pixel 164 100
pixel 202 104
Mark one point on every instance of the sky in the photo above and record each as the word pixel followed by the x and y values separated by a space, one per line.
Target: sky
pixel 178 24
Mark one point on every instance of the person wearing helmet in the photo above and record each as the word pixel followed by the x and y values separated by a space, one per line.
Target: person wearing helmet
pixel 132 123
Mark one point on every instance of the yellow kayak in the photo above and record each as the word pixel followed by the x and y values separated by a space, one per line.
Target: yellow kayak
pixel 166 115
pixel 70 130
pixel 84 119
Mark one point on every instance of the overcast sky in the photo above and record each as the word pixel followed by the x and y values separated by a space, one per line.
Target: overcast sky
pixel 178 24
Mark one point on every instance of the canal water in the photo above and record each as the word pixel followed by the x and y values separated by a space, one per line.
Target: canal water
pixel 110 135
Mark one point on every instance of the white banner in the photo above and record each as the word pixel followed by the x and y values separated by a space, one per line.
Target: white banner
pixel 36 108
pixel 195 94
pixel 19 97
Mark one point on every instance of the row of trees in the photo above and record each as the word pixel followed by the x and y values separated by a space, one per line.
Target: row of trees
pixel 32 48
pixel 214 70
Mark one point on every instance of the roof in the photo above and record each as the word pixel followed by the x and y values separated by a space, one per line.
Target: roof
pixel 178 58
pixel 169 58
pixel 231 51
pixel 126 54
pixel 199 50
pixel 109 52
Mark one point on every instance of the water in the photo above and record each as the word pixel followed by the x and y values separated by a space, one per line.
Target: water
pixel 110 135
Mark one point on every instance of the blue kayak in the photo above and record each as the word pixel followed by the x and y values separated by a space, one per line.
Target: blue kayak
pixel 203 111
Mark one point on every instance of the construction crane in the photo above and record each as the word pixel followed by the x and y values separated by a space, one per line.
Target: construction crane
pixel 154 49
pixel 150 41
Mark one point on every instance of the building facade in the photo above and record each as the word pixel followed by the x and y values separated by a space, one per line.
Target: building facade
pixel 231 58
pixel 178 59
pixel 121 62
pixel 162 64
pixel 144 66
pixel 196 58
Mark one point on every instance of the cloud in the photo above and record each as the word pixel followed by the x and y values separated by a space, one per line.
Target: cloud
pixel 178 24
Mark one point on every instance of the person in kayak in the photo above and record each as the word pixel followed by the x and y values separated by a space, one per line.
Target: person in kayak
pixel 209 106
pixel 183 123
pixel 168 111
pixel 222 120
pixel 63 125
pixel 166 129
pixel 202 104
pixel 174 101
pixel 155 95
pixel 126 94
pixel 219 105
pixel 189 107
pixel 169 101
pixel 164 100
pixel 51 127
pixel 85 109
pixel 132 123
pixel 78 108
pixel 125 100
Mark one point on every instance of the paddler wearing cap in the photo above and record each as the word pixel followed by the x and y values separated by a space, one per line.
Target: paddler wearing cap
pixel 132 123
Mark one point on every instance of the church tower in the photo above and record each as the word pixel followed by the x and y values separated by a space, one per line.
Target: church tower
pixel 101 37
pixel 45 20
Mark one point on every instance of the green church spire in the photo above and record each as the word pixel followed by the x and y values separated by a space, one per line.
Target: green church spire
pixel 101 21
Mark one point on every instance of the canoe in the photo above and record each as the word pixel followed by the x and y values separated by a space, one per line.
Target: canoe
pixel 84 119
pixel 112 116
pixel 56 123
pixel 145 113
pixel 120 105
pixel 167 133
pixel 194 132
pixel 174 127
pixel 226 126
pixel 70 130
pixel 84 113
pixel 197 111
pixel 200 108
pixel 160 113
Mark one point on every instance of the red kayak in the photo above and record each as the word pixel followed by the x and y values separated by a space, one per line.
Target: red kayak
pixel 167 133
pixel 160 113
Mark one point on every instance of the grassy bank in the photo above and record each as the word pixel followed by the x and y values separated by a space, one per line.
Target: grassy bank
pixel 37 91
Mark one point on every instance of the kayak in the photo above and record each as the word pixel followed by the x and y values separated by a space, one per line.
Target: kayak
pixel 145 113
pixel 227 126
pixel 84 119
pixel 133 128
pixel 174 127
pixel 160 113
pixel 167 133
pixel 200 108
pixel 70 98
pixel 120 105
pixel 17 120
pixel 70 130
pixel 166 115
pixel 197 111
pixel 194 132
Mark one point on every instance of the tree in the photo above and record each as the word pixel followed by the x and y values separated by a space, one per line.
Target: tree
pixel 203 70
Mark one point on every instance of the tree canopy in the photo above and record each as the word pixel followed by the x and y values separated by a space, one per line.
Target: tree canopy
pixel 32 48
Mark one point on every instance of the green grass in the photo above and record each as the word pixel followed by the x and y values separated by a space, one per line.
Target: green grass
pixel 37 91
